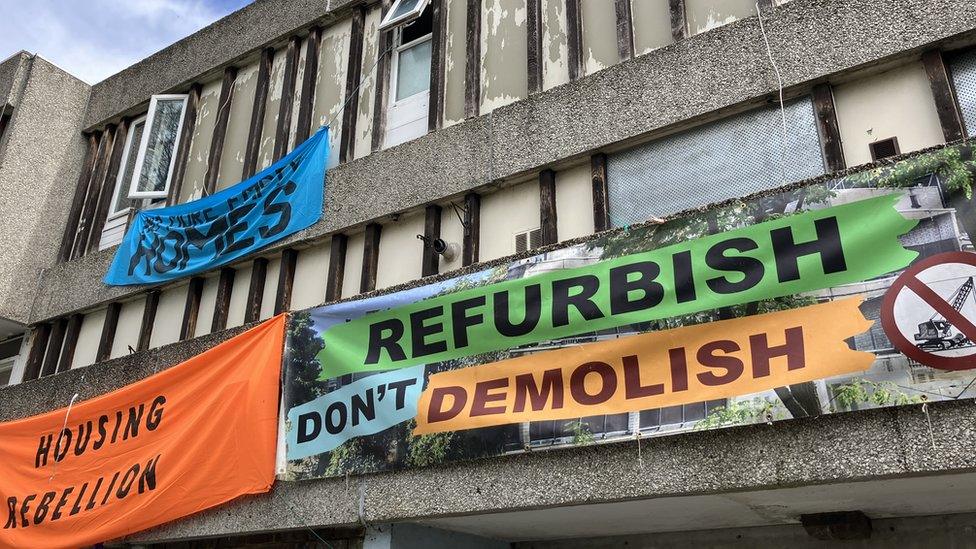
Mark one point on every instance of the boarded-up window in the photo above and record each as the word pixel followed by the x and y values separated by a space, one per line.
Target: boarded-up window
pixel 737 156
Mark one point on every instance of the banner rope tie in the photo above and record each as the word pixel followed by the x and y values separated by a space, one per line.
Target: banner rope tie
pixel 54 469
pixel 925 409
pixel 779 80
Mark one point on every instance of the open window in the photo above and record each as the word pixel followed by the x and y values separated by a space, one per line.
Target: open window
pixel 153 168
pixel 406 116
pixel 403 11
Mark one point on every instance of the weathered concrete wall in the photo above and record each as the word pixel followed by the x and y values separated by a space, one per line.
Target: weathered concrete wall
pixel 599 36
pixel 652 25
pixel 12 72
pixel 504 53
pixel 330 88
pixel 367 88
pixel 555 45
pixel 41 155
pixel 707 75
pixel 454 62
pixel 235 142
pixel 220 44
pixel 196 166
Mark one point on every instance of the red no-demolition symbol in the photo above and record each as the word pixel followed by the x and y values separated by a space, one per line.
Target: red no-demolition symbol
pixel 967 330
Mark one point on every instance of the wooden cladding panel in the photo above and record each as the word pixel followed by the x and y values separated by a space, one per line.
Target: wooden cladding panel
pixel 286 105
pixel 91 196
pixel 679 25
pixel 371 255
pixel 354 75
pixel 547 207
pixel 251 150
pixel 194 293
pixel 186 141
pixel 471 243
pixel 74 213
pixel 432 231
pixel 109 328
pixel 107 187
pixel 148 319
pixel 830 142
pixel 255 290
pixel 944 93
pixel 35 357
pixel 286 280
pixel 225 287
pixel 309 74
pixel 55 342
pixel 472 60
pixel 601 199
pixel 435 111
pixel 70 342
pixel 337 266
pixel 220 130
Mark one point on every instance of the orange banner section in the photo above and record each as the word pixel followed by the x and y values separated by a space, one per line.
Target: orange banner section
pixel 691 364
pixel 188 438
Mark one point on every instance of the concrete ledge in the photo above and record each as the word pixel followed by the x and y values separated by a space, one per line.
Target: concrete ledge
pixel 221 43
pixel 720 70
pixel 840 448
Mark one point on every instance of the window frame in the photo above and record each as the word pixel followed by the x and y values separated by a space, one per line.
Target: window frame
pixel 119 179
pixel 144 143
pixel 395 69
pixel 389 22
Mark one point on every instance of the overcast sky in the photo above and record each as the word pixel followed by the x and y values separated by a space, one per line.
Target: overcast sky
pixel 94 39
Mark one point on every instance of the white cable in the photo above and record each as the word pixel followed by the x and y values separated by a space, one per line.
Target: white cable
pixel 54 468
pixel 779 79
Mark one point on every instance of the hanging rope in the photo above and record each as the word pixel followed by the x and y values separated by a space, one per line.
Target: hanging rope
pixel 779 79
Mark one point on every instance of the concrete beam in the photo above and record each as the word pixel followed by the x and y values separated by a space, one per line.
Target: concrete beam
pixel 719 71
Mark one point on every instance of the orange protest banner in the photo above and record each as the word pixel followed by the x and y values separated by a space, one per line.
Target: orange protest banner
pixel 691 364
pixel 188 438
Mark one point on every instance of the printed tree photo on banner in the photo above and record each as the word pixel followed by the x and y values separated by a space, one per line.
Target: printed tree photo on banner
pixel 755 310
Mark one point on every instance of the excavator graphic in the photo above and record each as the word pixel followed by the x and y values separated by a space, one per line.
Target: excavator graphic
pixel 936 334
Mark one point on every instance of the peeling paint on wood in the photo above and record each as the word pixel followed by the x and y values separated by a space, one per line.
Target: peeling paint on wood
pixel 504 53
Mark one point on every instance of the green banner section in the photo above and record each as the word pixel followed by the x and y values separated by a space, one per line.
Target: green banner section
pixel 790 255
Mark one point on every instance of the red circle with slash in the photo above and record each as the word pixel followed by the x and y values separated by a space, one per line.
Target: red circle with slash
pixel 909 280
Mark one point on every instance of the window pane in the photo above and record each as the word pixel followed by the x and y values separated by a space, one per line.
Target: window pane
pixel 123 201
pixel 413 71
pixel 160 147
pixel 403 7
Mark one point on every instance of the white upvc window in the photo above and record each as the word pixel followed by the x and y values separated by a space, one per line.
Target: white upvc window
pixel 403 11
pixel 407 113
pixel 156 158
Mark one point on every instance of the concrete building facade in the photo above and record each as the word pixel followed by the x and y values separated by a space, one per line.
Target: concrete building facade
pixel 499 126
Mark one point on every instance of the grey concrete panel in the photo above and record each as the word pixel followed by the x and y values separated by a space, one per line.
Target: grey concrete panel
pixel 10 71
pixel 221 43
pixel 716 72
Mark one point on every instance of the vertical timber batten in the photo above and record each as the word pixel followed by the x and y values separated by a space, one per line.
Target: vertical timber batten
pixel 354 74
pixel 55 342
pixel 148 319
pixel 220 130
pixel 91 195
pixel 547 207
pixel 535 31
pixel 194 292
pixel 255 290
pixel 381 100
pixel 74 213
pixel 254 129
pixel 186 141
pixel 306 102
pixel 944 94
pixel 830 141
pixel 35 357
pixel 625 29
pixel 371 255
pixel 225 286
pixel 601 200
pixel 337 266
pixel 432 231
pixel 283 129
pixel 679 24
pixel 435 111
pixel 286 280
pixel 574 39
pixel 471 243
pixel 472 60
pixel 109 328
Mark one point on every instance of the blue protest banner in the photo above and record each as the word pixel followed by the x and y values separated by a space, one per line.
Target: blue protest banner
pixel 170 243
pixel 364 407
